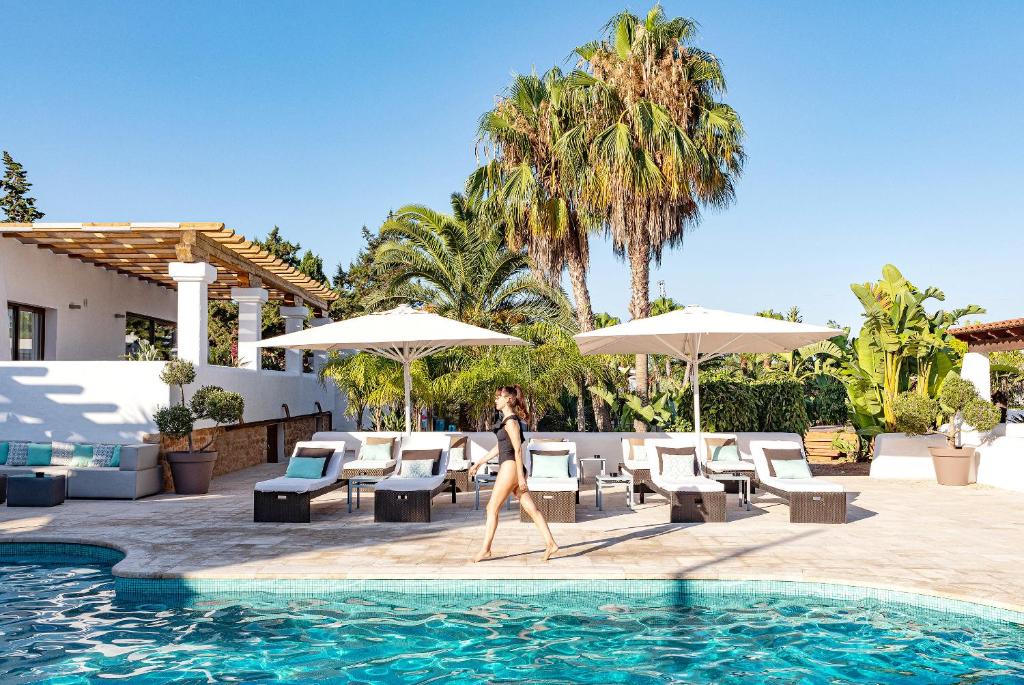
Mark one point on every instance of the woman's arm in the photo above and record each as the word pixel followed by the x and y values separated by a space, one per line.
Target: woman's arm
pixel 516 436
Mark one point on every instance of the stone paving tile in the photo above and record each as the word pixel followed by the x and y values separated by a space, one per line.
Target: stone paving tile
pixel 959 542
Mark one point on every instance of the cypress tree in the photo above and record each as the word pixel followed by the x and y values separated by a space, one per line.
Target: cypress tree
pixel 14 188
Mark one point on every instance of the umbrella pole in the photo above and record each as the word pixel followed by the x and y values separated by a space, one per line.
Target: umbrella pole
pixel 407 375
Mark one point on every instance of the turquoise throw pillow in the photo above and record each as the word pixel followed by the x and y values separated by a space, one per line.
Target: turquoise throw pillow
pixel 550 466
pixel 305 467
pixel 39 454
pixel 379 452
pixel 82 457
pixel 116 459
pixel 4 446
pixel 726 453
pixel 791 468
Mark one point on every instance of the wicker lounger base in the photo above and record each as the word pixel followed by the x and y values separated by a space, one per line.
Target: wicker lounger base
pixel 557 507
pixel 393 506
pixel 461 480
pixel 286 507
pixel 694 507
pixel 813 507
pixel 641 481
pixel 381 472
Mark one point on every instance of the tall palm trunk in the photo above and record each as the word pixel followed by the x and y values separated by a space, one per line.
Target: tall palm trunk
pixel 577 267
pixel 639 306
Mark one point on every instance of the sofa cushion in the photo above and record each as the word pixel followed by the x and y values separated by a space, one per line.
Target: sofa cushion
pixel 82 456
pixel 17 454
pixel 106 455
pixel 3 452
pixel 39 454
pixel 63 453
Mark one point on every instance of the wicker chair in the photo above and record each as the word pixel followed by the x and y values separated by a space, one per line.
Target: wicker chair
pixel 367 467
pixel 692 498
pixel 287 500
pixel 634 462
pixel 410 500
pixel 810 500
pixel 556 498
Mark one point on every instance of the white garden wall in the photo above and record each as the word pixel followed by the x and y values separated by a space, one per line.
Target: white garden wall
pixel 114 401
pixel 29 275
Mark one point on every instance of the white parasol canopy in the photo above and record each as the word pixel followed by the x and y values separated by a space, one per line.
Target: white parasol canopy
pixel 403 334
pixel 694 334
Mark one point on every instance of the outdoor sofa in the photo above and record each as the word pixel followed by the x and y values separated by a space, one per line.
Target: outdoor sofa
pixel 675 474
pixel 287 499
pixel 555 497
pixel 403 499
pixel 92 470
pixel 810 499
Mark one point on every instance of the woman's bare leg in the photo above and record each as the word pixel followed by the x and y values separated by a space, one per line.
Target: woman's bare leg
pixel 527 504
pixel 503 486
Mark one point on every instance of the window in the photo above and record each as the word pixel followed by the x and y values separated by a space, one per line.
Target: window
pixel 144 335
pixel 27 327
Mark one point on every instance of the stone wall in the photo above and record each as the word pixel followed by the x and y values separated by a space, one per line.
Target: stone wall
pixel 237 449
pixel 296 431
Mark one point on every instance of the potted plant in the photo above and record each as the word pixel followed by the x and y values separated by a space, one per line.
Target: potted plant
pixel 960 404
pixel 192 470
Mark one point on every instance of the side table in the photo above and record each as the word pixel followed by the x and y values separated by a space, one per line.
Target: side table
pixel 604 481
pixel 360 482
pixel 36 490
pixel 486 479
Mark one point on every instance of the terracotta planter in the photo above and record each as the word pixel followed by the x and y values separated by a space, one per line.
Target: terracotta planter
pixel 191 471
pixel 952 465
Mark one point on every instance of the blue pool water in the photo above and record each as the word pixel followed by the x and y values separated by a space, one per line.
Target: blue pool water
pixel 62 623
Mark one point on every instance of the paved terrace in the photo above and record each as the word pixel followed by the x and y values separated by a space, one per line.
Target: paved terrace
pixel 917 536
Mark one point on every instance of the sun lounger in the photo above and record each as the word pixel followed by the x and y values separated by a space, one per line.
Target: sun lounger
pixel 634 462
pixel 287 500
pixel 692 497
pixel 811 500
pixel 555 497
pixel 458 470
pixel 367 467
pixel 398 499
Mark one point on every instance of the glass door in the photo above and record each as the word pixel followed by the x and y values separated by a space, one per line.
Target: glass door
pixel 26 325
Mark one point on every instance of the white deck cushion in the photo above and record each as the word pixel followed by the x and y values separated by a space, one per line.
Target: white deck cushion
pixel 803 484
pixel 397 484
pixel 285 484
pixel 462 465
pixel 364 464
pixel 729 466
pixel 692 484
pixel 553 484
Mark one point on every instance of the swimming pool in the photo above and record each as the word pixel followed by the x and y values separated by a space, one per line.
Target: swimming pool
pixel 63 623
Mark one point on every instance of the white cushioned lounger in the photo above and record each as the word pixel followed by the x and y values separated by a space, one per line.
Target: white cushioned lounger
pixel 287 500
pixel 691 498
pixel 811 500
pixel 286 484
pixel 402 500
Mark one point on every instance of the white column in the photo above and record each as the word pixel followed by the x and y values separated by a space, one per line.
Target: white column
pixel 976 369
pixel 193 278
pixel 5 333
pixel 250 324
pixel 319 356
pixel 293 320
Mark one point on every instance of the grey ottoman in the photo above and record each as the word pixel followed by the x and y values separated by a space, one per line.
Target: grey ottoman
pixel 35 491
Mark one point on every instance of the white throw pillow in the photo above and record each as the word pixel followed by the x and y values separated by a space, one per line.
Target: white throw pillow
pixel 677 466
pixel 416 468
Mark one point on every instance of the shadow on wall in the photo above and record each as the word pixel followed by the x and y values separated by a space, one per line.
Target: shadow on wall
pixel 58 410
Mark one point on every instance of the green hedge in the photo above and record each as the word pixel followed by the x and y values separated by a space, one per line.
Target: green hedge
pixel 826 401
pixel 736 404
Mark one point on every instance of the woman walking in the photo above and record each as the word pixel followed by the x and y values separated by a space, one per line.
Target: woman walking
pixel 511 472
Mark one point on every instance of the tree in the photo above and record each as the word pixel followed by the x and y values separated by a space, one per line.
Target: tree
pixel 14 187
pixel 279 247
pixel 459 267
pixel 662 145
pixel 313 266
pixel 356 285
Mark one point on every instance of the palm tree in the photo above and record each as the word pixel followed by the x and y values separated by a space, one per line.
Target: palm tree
pixel 662 146
pixel 459 266
pixel 535 177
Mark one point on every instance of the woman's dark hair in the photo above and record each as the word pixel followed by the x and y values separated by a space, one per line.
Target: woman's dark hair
pixel 517 400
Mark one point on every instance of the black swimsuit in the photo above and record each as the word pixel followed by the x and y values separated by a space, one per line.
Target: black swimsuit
pixel 506 450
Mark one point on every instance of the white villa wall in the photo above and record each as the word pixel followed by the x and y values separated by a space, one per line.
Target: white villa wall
pixel 33 276
pixel 114 401
pixel 999 461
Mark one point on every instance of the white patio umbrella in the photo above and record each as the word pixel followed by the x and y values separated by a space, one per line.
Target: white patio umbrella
pixel 403 334
pixel 694 335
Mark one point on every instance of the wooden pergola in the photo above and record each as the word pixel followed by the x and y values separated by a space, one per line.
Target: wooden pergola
pixel 998 336
pixel 144 251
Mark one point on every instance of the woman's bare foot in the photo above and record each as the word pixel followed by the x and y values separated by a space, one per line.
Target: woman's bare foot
pixel 552 548
pixel 482 555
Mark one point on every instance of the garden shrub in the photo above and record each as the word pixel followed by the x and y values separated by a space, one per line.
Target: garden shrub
pixel 780 405
pixel 826 401
pixel 914 413
pixel 727 404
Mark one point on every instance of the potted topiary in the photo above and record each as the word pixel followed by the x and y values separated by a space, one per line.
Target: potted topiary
pixel 960 404
pixel 192 470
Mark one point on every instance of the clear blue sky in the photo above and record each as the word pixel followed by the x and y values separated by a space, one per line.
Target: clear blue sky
pixel 878 131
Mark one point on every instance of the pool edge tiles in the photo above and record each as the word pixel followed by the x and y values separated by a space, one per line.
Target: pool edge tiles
pixel 682 592
pixel 59 552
